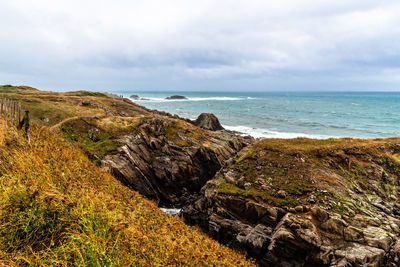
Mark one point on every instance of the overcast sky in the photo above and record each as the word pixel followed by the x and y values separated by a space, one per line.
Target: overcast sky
pixel 223 45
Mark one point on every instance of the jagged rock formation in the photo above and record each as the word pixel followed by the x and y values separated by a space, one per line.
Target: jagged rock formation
pixel 208 121
pixel 306 202
pixel 169 160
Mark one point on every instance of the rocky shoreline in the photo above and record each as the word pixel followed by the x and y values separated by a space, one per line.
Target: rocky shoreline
pixel 298 202
pixel 283 202
pixel 340 211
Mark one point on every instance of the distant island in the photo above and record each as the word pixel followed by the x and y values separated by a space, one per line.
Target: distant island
pixel 176 97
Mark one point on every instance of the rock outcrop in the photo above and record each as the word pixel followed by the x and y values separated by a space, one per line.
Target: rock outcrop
pixel 134 97
pixel 208 121
pixel 305 202
pixel 169 160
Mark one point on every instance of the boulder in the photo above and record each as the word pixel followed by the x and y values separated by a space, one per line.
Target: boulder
pixel 208 121
pixel 355 254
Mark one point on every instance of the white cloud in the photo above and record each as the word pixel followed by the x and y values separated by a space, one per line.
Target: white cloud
pixel 68 43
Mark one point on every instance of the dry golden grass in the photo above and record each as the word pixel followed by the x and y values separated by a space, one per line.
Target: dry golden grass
pixel 58 208
pixel 3 129
pixel 307 144
pixel 115 125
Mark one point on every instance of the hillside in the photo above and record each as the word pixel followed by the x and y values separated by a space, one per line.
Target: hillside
pixel 163 157
pixel 50 108
pixel 305 202
pixel 58 208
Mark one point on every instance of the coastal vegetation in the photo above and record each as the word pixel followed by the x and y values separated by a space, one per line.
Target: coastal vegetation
pixel 58 208
pixel 286 164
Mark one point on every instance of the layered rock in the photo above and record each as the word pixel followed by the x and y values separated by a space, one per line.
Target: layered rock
pixel 170 160
pixel 305 202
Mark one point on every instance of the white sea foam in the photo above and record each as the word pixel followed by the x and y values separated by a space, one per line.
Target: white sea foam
pixel 158 99
pixel 170 211
pixel 264 133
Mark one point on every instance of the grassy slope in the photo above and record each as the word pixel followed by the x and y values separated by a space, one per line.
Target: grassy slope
pixel 57 107
pixel 57 208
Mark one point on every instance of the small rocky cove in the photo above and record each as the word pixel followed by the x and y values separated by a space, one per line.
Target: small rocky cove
pixel 296 202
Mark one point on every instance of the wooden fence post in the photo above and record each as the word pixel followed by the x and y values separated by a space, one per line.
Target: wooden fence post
pixel 25 121
pixel 5 113
pixel 10 111
pixel 19 113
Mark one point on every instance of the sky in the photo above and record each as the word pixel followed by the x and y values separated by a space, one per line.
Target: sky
pixel 208 45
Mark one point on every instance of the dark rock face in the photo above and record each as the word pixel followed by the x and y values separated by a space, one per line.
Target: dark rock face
pixel 276 237
pixel 333 227
pixel 208 121
pixel 176 97
pixel 163 170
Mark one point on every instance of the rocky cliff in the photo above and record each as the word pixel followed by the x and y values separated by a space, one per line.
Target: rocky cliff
pixel 170 160
pixel 165 159
pixel 306 202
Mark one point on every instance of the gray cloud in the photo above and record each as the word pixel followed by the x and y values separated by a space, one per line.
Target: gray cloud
pixel 194 45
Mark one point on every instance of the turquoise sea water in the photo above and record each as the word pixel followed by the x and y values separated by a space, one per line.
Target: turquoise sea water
pixel 288 115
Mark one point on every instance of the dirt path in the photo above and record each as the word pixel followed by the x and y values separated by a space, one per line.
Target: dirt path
pixel 56 126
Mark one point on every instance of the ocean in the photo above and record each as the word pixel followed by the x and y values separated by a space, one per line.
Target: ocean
pixel 289 115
